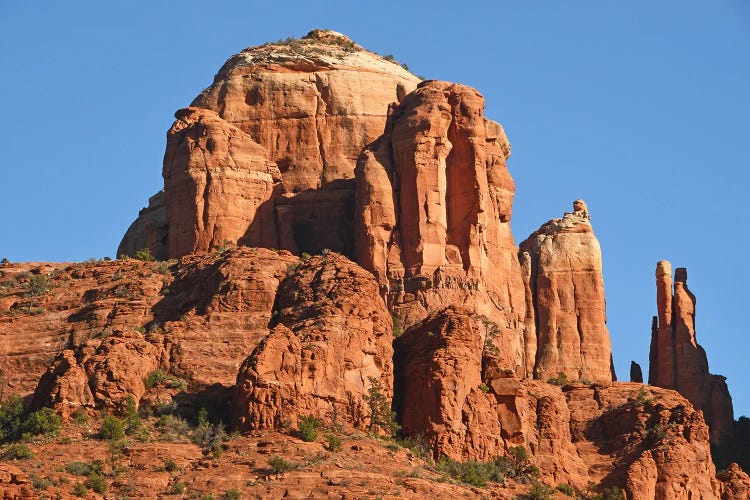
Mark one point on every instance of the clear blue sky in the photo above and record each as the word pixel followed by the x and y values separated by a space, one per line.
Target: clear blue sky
pixel 641 108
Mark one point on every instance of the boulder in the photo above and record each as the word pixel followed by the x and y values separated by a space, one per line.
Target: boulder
pixel 330 348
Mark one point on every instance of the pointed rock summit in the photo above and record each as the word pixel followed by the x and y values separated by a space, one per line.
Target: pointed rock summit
pixel 566 328
pixel 677 361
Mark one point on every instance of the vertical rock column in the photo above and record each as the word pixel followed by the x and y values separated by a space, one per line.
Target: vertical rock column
pixel 676 359
pixel 562 265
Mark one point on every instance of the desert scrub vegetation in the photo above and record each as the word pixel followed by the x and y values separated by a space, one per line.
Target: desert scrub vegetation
pixel 515 465
pixel 210 437
pixel 16 451
pixel 112 429
pixel 158 377
pixel 308 428
pixel 561 380
pixel 382 417
pixel 18 423
pixel 278 465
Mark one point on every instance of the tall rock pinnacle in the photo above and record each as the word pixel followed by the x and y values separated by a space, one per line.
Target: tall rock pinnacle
pixel 676 359
pixel 433 207
pixel 563 271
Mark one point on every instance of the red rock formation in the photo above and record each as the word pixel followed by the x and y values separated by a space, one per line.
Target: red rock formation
pixel 312 105
pixel 735 483
pixel 101 373
pixel 450 389
pixel 678 362
pixel 334 336
pixel 15 484
pixel 218 183
pixel 150 230
pixel 564 272
pixel 208 311
pixel 433 208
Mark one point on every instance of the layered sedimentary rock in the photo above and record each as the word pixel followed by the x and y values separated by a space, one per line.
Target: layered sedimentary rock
pixel 678 362
pixel 433 209
pixel 101 373
pixel 150 230
pixel 209 312
pixel 331 344
pixel 450 390
pixel 218 183
pixel 562 264
pixel 312 104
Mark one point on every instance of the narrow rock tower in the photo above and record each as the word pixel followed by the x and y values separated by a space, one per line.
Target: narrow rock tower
pixel 677 361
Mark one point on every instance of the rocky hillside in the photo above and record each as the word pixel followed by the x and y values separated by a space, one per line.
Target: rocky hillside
pixel 338 308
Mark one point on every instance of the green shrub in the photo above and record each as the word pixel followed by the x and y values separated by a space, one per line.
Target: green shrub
pixel 643 397
pixel 279 465
pixel 144 254
pixel 83 469
pixel 39 483
pixel 17 451
pixel 561 380
pixel 382 418
pixel 11 416
pixel 80 417
pixel 178 488
pixel 209 436
pixel 159 377
pixel 484 387
pixel 566 489
pixel 112 429
pixel 539 491
pixel 130 416
pixel 232 494
pixel 170 465
pixel 80 490
pixel 398 327
pixel 98 483
pixel 44 421
pixel 308 428
pixel 334 442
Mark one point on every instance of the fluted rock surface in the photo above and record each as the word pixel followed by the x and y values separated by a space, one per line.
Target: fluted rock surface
pixel 218 182
pixel 312 105
pixel 333 339
pixel 433 209
pixel 449 389
pixel 678 362
pixel 562 264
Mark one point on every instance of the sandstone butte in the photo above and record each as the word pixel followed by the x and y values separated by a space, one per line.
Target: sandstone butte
pixel 420 308
pixel 678 362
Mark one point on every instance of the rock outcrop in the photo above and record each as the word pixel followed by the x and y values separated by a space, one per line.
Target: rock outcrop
pixel 331 344
pixel 311 105
pixel 150 230
pixel 208 312
pixel 433 209
pixel 678 362
pixel 651 444
pixel 636 374
pixel 562 264
pixel 101 373
pixel 218 182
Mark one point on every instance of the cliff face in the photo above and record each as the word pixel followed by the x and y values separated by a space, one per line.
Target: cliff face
pixel 678 362
pixel 290 120
pixel 268 341
pixel 562 265
pixel 433 209
pixel 450 390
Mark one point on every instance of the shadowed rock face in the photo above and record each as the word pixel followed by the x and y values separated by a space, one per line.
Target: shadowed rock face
pixel 307 107
pixel 678 362
pixel 562 264
pixel 332 341
pixel 433 208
